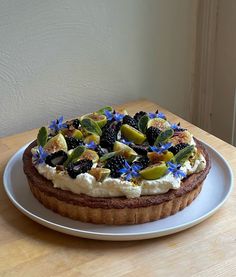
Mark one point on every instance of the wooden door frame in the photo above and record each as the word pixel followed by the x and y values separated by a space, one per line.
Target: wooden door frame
pixel 202 86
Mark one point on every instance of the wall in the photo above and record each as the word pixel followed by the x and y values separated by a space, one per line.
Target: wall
pixel 225 71
pixel 71 57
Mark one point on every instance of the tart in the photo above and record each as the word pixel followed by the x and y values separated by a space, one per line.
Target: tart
pixel 114 168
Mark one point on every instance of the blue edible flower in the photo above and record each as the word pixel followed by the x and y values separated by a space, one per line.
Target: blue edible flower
pixel 126 141
pixel 116 116
pixel 40 156
pixel 156 115
pixel 57 124
pixel 162 148
pixel 91 145
pixel 175 127
pixel 175 170
pixel 130 172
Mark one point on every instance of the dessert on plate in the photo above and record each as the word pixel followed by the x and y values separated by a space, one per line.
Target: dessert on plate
pixel 109 167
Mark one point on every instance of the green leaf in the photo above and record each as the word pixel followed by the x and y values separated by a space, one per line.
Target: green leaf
pixel 77 152
pixel 102 111
pixel 142 124
pixel 107 156
pixel 183 155
pixel 164 136
pixel 91 126
pixel 42 136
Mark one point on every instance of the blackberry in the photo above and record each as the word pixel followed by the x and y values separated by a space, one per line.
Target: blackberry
pixel 115 164
pixel 143 162
pixel 175 149
pixel 108 138
pixel 73 142
pixel 152 133
pixel 139 149
pixel 100 151
pixel 138 115
pixel 76 123
pixel 57 158
pixel 127 119
pixel 79 167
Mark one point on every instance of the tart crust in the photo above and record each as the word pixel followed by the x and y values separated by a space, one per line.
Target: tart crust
pixel 114 210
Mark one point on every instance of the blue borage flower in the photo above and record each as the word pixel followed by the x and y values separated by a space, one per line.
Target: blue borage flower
pixel 156 115
pixel 57 124
pixel 116 116
pixel 126 141
pixel 175 170
pixel 130 172
pixel 176 127
pixel 40 156
pixel 91 145
pixel 162 148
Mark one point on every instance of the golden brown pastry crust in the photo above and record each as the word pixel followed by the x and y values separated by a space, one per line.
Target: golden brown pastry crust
pixel 114 210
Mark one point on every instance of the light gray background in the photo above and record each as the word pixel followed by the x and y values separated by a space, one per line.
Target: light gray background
pixel 71 57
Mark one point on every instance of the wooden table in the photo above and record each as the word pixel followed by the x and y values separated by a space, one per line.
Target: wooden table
pixel 29 249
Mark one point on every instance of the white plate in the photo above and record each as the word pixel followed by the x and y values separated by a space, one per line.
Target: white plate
pixel 215 191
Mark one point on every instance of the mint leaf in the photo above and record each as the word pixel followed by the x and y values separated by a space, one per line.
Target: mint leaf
pixel 42 136
pixel 142 124
pixel 183 155
pixel 164 136
pixel 107 156
pixel 91 126
pixel 77 152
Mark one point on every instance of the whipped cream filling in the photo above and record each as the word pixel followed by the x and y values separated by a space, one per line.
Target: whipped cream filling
pixel 114 187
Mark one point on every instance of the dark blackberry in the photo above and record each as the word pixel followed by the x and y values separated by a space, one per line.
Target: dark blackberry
pixel 57 158
pixel 108 138
pixel 79 167
pixel 100 151
pixel 76 123
pixel 73 142
pixel 143 162
pixel 127 119
pixel 139 149
pixel 138 115
pixel 175 149
pixel 115 164
pixel 152 133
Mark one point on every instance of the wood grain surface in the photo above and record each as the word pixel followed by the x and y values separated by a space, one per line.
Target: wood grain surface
pixel 29 249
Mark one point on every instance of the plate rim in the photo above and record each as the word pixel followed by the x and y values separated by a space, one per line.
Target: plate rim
pixel 110 235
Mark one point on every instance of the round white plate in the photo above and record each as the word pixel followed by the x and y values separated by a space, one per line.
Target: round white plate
pixel 215 191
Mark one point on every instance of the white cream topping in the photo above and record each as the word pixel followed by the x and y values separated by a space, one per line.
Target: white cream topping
pixel 115 187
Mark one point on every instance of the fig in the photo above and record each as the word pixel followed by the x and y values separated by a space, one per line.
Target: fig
pixel 124 150
pixel 100 119
pixel 56 143
pixel 100 173
pixel 93 137
pixel 154 171
pixel 90 155
pixel 132 134
pixel 154 157
pixel 181 137
pixel 159 123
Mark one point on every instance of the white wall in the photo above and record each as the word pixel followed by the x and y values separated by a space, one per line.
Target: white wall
pixel 71 57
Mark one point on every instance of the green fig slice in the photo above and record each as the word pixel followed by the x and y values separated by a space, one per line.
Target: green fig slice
pixel 100 119
pixel 159 123
pixel 124 150
pixel 91 155
pixel 93 137
pixel 132 134
pixel 100 173
pixel 56 143
pixel 154 171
